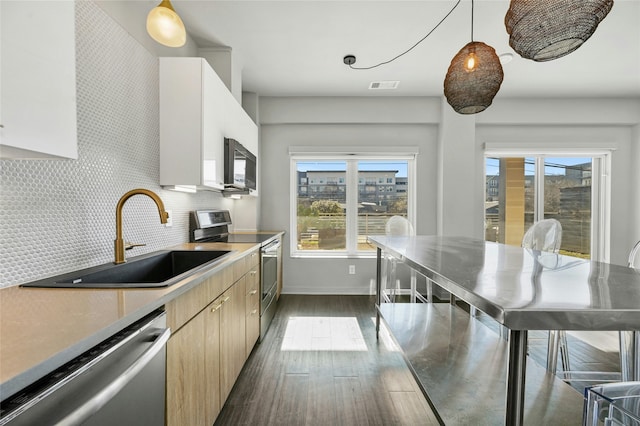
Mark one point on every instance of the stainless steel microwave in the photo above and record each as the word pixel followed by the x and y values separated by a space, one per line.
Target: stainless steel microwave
pixel 239 166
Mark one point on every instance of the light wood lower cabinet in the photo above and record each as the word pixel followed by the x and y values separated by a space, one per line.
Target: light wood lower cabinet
pixel 232 337
pixel 213 399
pixel 185 370
pixel 210 342
pixel 252 308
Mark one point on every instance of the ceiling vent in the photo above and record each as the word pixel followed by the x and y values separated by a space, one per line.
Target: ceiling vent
pixel 384 85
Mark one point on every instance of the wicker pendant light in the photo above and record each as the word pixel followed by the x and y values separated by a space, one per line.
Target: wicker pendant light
pixel 543 30
pixel 474 77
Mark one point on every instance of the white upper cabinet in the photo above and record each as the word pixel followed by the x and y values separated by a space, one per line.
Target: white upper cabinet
pixel 38 79
pixel 197 112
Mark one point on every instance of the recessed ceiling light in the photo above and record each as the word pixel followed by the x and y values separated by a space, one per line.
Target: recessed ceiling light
pixel 505 58
pixel 384 85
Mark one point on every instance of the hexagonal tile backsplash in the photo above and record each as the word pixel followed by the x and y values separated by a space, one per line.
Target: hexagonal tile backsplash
pixel 59 215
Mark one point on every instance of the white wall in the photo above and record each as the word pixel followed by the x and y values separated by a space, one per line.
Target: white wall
pixel 459 200
pixel 578 123
pixel 450 166
pixel 340 121
pixel 634 187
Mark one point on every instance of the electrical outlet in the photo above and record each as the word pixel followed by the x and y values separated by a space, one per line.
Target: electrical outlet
pixel 352 269
pixel 170 219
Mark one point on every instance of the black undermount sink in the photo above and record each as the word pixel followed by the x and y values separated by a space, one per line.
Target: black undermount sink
pixel 160 269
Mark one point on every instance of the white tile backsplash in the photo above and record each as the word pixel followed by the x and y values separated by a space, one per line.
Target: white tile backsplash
pixel 59 215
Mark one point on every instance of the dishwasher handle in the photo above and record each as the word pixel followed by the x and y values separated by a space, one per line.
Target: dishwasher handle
pixel 98 401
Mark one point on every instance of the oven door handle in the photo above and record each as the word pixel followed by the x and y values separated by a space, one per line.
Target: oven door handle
pixel 271 249
pixel 98 401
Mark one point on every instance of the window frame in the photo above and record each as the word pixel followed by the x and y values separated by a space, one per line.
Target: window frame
pixel 600 185
pixel 351 185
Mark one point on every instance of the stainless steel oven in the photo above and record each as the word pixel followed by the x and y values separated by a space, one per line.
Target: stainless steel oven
pixel 212 225
pixel 269 255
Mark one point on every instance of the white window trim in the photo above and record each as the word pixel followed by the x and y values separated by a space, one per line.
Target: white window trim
pixel 600 153
pixel 350 156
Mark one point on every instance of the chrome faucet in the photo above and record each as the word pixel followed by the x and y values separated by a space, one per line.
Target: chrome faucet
pixel 119 242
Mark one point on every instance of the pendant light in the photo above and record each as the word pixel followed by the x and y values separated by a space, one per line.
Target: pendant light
pixel 165 26
pixel 543 30
pixel 474 77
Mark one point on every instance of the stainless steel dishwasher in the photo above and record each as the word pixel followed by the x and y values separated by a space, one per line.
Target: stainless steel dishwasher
pixel 120 382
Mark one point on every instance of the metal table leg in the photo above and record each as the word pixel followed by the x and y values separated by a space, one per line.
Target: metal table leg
pixel 378 289
pixel 516 374
pixel 552 352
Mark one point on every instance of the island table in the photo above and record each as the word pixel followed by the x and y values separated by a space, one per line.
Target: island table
pixel 524 290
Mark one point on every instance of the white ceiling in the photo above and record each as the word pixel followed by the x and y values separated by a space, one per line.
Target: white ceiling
pixel 295 47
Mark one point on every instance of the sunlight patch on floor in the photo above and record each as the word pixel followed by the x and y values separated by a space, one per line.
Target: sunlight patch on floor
pixel 323 334
pixel 606 341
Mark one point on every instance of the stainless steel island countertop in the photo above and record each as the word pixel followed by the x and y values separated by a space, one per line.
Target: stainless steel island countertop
pixel 525 290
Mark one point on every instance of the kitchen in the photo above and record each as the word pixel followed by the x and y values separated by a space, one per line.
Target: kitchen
pixel 57 215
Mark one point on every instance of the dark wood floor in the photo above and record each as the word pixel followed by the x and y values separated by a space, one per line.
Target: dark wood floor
pixel 582 356
pixel 319 383
pixel 298 376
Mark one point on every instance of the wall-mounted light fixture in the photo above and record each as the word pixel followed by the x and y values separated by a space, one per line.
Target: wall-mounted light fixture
pixel 165 26
pixel 474 77
pixel 543 30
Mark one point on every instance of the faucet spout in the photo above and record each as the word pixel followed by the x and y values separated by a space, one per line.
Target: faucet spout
pixel 119 242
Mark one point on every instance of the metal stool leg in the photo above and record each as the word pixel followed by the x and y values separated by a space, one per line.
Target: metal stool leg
pixel 564 350
pixel 393 283
pixel 414 283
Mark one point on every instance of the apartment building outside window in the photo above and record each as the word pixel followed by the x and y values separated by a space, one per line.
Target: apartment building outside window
pixel 520 191
pixel 357 196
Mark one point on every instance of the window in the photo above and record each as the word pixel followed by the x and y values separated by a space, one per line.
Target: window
pixel 522 190
pixel 337 220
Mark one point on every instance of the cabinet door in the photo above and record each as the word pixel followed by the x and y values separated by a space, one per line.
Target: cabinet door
pixel 239 325
pixel 185 372
pixel 214 116
pixel 38 80
pixel 181 121
pixel 232 336
pixel 252 309
pixel 227 377
pixel 212 361
pixel 279 286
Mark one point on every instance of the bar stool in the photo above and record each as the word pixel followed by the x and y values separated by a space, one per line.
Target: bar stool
pixel 546 235
pixel 630 340
pixel 612 404
pixel 633 254
pixel 627 341
pixel 398 226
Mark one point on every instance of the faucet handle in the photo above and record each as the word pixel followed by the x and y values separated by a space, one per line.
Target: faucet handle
pixel 164 216
pixel 129 246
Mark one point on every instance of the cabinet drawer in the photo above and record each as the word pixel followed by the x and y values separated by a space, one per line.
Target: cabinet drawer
pixel 253 278
pixel 252 300
pixel 253 259
pixel 181 309
pixel 239 268
pixel 215 286
pixel 252 325
pixel 253 289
